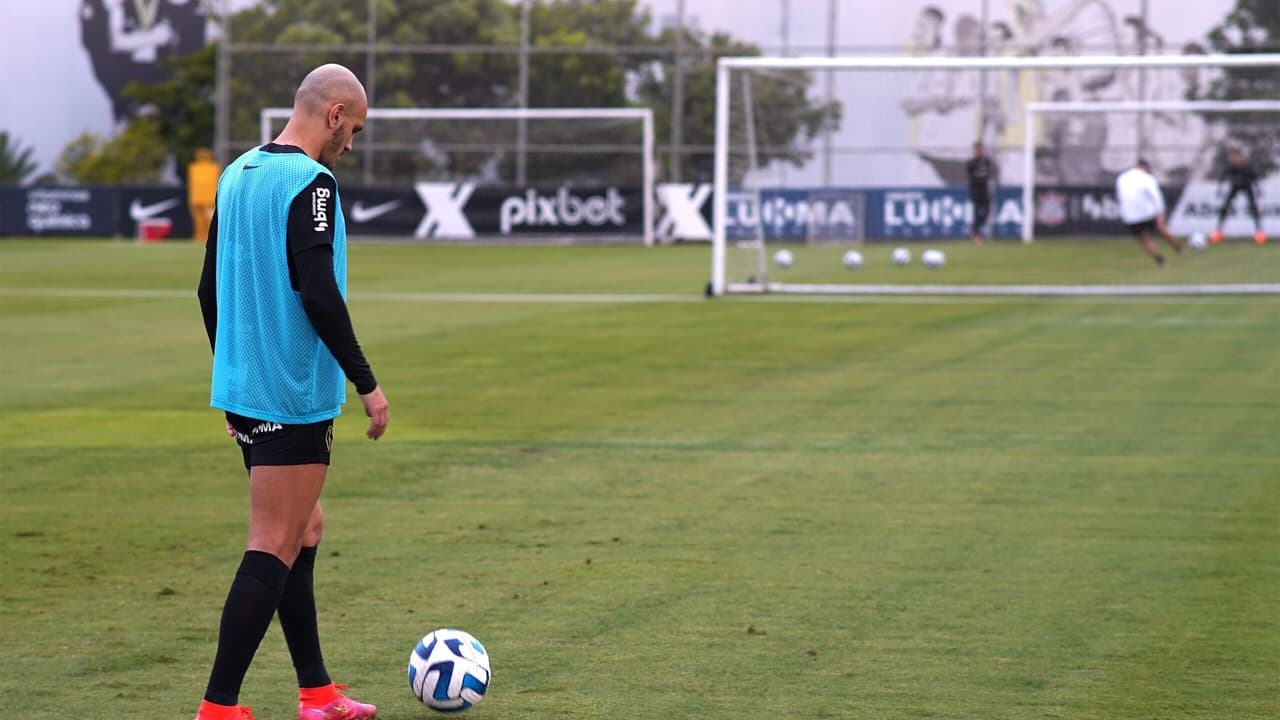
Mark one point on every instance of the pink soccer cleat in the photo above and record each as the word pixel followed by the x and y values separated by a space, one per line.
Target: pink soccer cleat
pixel 340 707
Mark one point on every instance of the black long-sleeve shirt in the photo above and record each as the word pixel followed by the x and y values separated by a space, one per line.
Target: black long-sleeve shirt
pixel 981 172
pixel 1239 177
pixel 311 275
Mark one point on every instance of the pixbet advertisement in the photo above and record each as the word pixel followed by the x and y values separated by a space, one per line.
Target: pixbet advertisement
pixel 464 211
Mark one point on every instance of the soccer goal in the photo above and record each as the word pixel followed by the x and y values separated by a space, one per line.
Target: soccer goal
pixel 1036 111
pixel 815 155
pixel 563 167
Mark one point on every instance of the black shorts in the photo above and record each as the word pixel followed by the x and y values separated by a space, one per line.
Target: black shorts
pixel 269 443
pixel 1140 227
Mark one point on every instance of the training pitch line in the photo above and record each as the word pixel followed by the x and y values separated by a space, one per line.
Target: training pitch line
pixel 779 292
pixel 140 294
pixel 1010 290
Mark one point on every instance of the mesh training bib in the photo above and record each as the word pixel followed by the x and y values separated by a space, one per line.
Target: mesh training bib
pixel 268 361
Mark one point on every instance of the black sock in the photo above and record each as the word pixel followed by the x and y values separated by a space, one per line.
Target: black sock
pixel 298 620
pixel 251 602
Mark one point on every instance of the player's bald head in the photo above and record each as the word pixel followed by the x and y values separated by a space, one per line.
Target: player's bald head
pixel 327 86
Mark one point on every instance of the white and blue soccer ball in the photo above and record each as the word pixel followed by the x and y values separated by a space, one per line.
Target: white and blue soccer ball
pixel 933 258
pixel 853 259
pixel 1198 241
pixel 449 670
pixel 901 256
pixel 783 258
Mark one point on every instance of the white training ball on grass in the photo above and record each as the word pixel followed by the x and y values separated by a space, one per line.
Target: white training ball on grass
pixel 853 259
pixel 901 256
pixel 449 670
pixel 783 258
pixel 933 258
pixel 1198 241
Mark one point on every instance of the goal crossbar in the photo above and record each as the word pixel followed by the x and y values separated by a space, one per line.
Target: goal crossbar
pixel 1035 109
pixel 644 115
pixel 725 65
pixel 1002 62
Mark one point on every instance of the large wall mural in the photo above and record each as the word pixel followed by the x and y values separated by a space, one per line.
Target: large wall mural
pixel 947 110
pixel 128 40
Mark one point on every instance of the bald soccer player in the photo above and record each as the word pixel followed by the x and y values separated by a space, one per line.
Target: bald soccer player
pixel 272 293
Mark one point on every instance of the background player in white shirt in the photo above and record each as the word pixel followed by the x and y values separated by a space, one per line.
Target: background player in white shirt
pixel 1142 208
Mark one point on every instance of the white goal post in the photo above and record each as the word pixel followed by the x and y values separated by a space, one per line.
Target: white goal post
pixel 1036 109
pixel 643 115
pixel 725 67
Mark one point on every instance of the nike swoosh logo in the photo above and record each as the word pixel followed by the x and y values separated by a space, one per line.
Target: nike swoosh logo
pixel 140 212
pixel 337 711
pixel 250 167
pixel 362 214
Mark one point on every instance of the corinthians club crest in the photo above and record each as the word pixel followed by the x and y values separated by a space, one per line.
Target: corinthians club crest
pixel 1051 208
pixel 128 40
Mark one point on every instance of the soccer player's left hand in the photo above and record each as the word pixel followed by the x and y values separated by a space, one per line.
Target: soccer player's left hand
pixel 375 407
pixel 231 431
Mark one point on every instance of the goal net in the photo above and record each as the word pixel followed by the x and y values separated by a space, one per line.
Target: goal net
pixel 841 161
pixel 1192 163
pixel 566 174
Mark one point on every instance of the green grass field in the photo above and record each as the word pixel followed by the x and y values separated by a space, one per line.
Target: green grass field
pixel 660 506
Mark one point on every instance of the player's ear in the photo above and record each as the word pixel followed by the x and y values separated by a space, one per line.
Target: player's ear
pixel 335 115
